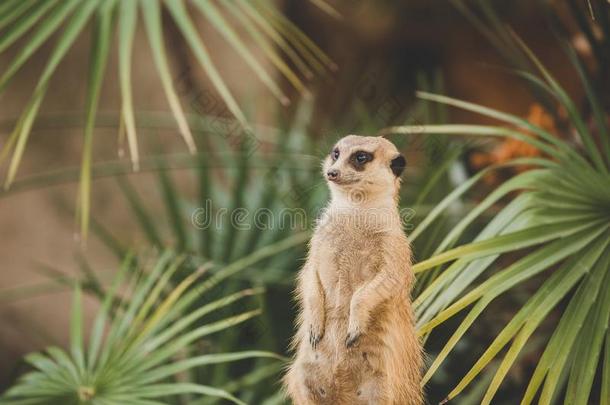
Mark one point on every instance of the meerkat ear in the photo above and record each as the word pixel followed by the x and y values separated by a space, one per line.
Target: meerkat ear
pixel 398 165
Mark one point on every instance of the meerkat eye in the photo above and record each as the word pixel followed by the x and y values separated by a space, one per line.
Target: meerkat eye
pixel 335 154
pixel 363 157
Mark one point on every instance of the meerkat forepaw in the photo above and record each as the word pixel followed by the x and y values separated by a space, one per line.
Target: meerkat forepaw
pixel 355 329
pixel 352 339
pixel 353 334
pixel 315 336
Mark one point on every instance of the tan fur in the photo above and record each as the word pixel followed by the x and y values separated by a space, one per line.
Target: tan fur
pixel 355 341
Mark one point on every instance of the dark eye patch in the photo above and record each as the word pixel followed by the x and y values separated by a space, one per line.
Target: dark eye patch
pixel 359 159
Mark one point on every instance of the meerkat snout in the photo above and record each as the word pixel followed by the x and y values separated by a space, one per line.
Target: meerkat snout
pixel 333 174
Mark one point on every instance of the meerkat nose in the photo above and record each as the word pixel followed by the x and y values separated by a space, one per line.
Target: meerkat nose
pixel 332 174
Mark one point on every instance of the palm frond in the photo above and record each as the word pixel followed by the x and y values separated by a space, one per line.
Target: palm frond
pixel 130 357
pixel 44 18
pixel 101 43
pixel 561 213
pixel 127 27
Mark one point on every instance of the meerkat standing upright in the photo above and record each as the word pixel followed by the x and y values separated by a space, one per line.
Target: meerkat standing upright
pixel 356 341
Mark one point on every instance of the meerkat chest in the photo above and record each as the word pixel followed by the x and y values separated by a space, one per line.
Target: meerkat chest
pixel 348 258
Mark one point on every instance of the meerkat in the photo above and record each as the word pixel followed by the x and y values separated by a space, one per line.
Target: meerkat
pixel 356 341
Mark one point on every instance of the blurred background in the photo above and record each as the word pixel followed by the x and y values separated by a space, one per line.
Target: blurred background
pixel 299 75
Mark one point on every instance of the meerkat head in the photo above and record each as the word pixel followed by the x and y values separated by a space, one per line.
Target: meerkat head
pixel 364 165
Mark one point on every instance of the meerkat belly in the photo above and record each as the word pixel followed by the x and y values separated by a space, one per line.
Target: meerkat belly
pixel 352 261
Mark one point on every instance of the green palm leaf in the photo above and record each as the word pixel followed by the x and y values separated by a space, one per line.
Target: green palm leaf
pixel 43 18
pixel 131 359
pixel 562 211
pixel 101 44
pixel 127 27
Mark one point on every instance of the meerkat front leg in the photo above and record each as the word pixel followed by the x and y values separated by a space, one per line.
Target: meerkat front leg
pixel 312 296
pixel 394 278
